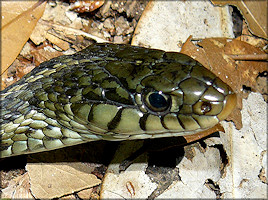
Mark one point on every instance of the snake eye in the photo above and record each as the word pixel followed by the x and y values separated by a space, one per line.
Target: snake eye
pixel 157 101
pixel 205 107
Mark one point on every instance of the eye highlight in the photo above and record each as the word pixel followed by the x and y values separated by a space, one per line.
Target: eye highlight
pixel 157 101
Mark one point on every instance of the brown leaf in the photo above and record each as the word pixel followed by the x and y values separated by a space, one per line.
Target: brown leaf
pixel 248 70
pixel 24 69
pixel 50 180
pixel 202 134
pixel 255 13
pixel 43 54
pixel 58 42
pixel 213 54
pixel 17 70
pixel 22 66
pixel 18 20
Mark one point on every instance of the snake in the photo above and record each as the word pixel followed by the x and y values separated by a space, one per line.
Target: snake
pixel 110 92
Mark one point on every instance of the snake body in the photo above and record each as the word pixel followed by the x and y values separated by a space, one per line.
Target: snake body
pixel 110 92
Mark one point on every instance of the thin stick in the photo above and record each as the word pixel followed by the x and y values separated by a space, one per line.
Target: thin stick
pixel 260 57
pixel 75 31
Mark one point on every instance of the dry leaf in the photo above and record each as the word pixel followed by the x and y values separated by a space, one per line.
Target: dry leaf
pixel 58 42
pixel 213 54
pixel 19 68
pixel 24 69
pixel 255 13
pixel 85 5
pixel 248 71
pixel 253 40
pixel 85 194
pixel 43 54
pixel 68 197
pixel 18 188
pixel 22 66
pixel 50 180
pixel 202 134
pixel 18 20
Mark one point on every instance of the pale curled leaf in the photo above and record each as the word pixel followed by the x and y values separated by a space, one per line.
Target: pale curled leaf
pixel 18 20
pixel 255 13
pixel 50 180
pixel 18 188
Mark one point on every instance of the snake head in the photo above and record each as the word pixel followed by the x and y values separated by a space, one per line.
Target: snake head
pixel 165 94
pixel 184 96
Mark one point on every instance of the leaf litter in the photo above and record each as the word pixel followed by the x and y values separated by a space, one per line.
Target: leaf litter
pixel 213 53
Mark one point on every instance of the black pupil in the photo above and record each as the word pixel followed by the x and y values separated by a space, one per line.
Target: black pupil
pixel 158 101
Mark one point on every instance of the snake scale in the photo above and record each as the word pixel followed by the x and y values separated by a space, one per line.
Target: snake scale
pixel 110 92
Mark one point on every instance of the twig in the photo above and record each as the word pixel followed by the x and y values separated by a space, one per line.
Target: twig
pixel 74 31
pixel 260 57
